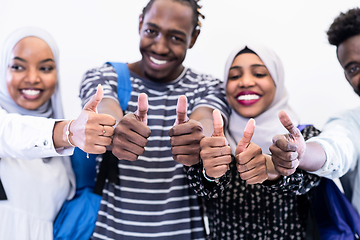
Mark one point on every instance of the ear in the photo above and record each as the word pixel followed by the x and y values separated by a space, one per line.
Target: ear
pixel 194 37
pixel 140 22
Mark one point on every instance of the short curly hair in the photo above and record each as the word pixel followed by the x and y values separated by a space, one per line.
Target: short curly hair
pixel 192 3
pixel 345 26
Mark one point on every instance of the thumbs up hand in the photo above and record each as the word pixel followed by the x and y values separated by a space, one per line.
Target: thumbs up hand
pixel 181 110
pixel 91 132
pixel 185 136
pixel 251 163
pixel 131 133
pixel 215 151
pixel 141 112
pixel 287 150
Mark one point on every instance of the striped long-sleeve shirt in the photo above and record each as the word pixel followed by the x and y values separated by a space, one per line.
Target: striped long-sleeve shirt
pixel 153 199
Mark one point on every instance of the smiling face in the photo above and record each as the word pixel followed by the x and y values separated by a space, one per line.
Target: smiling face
pixel 349 57
pixel 250 88
pixel 31 75
pixel 166 32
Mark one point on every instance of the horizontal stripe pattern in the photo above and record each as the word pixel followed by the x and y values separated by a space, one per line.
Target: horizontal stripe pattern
pixel 153 199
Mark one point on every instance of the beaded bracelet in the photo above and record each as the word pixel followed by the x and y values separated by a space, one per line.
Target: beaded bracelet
pixel 210 179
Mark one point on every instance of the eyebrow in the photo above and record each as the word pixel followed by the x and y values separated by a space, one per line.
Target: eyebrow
pixel 254 65
pixel 235 67
pixel 258 65
pixel 43 61
pixel 174 31
pixel 349 64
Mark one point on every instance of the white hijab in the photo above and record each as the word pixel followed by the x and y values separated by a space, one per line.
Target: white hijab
pixel 267 123
pixel 53 107
pixel 50 109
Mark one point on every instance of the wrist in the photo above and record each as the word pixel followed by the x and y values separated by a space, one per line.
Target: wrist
pixel 208 178
pixel 67 134
pixel 272 173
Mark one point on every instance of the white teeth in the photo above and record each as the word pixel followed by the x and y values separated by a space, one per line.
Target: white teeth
pixel 157 61
pixel 248 97
pixel 30 92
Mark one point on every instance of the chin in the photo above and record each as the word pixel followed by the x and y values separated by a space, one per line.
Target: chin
pixel 155 77
pixel 30 106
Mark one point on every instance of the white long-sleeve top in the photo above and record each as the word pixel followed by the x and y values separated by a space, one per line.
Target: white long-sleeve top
pixel 28 137
pixel 340 139
pixel 36 178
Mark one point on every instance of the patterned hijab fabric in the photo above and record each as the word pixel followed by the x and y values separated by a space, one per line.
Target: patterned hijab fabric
pixel 267 123
pixel 53 107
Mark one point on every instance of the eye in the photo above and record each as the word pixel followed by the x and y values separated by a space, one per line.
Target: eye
pixel 150 31
pixel 234 77
pixel 235 73
pixel 353 70
pixel 260 75
pixel 16 67
pixel 177 39
pixel 47 69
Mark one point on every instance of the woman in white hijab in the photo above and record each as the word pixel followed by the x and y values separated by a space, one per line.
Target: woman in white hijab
pixel 245 198
pixel 35 189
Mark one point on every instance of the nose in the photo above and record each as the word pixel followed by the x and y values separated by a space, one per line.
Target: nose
pixel 247 81
pixel 161 45
pixel 32 76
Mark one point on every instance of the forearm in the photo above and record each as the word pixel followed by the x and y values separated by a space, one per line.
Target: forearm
pixel 204 116
pixel 314 157
pixel 111 107
pixel 59 134
pixel 29 137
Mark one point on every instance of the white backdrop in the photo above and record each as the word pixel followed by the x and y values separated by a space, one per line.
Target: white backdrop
pixel 91 32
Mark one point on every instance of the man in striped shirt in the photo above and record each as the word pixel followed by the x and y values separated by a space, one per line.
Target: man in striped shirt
pixel 152 198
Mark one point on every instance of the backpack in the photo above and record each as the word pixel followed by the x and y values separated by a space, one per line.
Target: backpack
pixel 336 218
pixel 77 217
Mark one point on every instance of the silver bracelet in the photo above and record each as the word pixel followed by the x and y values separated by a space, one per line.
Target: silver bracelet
pixel 67 133
pixel 210 179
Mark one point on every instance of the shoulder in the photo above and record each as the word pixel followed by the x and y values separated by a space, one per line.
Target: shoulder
pixel 200 77
pixel 309 131
pixel 348 115
pixel 103 70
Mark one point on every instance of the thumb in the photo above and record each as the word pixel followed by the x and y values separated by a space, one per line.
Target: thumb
pixel 218 124
pixel 92 104
pixel 246 139
pixel 287 123
pixel 181 110
pixel 141 112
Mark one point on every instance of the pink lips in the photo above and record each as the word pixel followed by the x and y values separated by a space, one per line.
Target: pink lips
pixel 248 98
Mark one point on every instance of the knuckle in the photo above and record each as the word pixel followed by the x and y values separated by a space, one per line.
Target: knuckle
pixel 111 131
pixel 174 150
pixel 172 141
pixel 148 132
pixel 116 153
pixel 141 151
pixel 132 157
pixel 288 172
pixel 258 151
pixel 243 176
pixel 102 150
pixel 108 141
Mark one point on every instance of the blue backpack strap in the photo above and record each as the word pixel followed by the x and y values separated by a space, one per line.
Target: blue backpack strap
pixel 301 127
pixel 124 83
